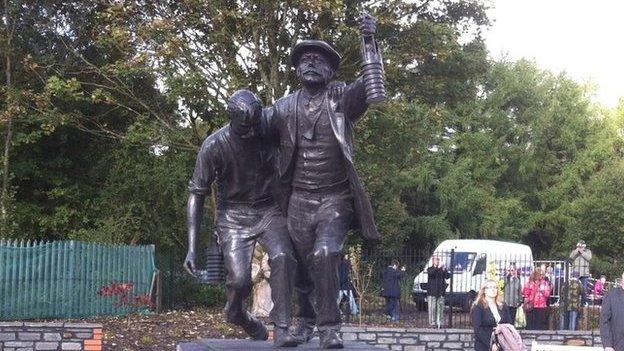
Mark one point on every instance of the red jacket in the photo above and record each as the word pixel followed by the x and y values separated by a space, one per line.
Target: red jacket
pixel 599 289
pixel 538 292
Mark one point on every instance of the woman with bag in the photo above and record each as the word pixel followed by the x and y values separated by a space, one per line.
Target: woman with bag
pixel 487 313
pixel 536 293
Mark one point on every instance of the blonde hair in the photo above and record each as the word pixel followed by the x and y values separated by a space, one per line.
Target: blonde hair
pixel 536 275
pixel 481 294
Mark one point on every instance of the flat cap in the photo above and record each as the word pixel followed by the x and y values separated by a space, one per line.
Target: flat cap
pixel 305 45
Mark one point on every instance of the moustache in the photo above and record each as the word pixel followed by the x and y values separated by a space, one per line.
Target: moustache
pixel 313 71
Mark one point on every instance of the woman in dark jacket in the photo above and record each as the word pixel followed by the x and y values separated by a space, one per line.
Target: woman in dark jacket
pixel 391 289
pixel 487 313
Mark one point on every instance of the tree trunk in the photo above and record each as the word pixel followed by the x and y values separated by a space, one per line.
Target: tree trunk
pixel 4 195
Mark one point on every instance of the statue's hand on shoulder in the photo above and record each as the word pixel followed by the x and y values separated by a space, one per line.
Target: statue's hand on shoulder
pixel 189 263
pixel 368 25
pixel 336 89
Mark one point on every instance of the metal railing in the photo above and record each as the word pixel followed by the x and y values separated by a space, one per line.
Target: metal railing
pixel 470 270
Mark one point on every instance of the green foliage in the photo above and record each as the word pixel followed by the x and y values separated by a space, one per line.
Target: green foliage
pixel 510 164
pixel 141 199
pixel 103 84
pixel 598 217
pixel 207 295
pixel 111 101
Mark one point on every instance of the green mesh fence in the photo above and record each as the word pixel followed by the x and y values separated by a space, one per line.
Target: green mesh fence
pixel 73 279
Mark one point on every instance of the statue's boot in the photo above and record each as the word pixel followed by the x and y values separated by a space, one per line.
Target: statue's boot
pixel 304 332
pixel 255 329
pixel 283 337
pixel 330 340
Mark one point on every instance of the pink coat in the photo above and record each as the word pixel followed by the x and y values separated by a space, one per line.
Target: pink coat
pixel 509 338
pixel 599 289
pixel 538 292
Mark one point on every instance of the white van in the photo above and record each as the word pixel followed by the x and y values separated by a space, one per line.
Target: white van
pixel 470 262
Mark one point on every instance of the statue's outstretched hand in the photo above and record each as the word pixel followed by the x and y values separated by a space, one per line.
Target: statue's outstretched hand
pixel 189 263
pixel 368 25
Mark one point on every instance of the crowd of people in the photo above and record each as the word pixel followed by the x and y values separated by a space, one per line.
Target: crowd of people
pixel 532 300
pixel 493 322
pixel 495 309
pixel 504 303
pixel 547 288
pixel 577 291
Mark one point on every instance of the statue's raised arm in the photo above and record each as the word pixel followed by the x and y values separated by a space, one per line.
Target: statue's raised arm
pixel 372 63
pixel 369 88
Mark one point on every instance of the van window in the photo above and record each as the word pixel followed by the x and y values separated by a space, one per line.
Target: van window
pixel 461 263
pixel 480 265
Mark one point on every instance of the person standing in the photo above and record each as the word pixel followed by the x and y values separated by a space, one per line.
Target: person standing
pixel 536 293
pixel 599 289
pixel 487 313
pixel 612 319
pixel 346 285
pixel 391 278
pixel 580 258
pixel 571 302
pixel 437 275
pixel 262 304
pixel 512 291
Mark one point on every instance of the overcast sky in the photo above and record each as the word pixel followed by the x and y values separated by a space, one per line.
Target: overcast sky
pixel 583 38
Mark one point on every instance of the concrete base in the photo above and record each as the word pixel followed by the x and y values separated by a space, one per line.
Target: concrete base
pixel 246 345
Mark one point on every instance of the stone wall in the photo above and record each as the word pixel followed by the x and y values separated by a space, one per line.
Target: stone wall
pixel 18 336
pixel 416 339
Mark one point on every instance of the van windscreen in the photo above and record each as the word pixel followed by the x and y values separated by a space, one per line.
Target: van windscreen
pixel 462 261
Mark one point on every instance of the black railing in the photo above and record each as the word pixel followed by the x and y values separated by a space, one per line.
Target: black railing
pixel 470 269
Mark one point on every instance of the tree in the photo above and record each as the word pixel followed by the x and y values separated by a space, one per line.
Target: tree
pixel 126 87
pixel 596 211
pixel 102 103
pixel 4 194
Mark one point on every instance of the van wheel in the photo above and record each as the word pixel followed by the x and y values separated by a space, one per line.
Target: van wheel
pixel 468 302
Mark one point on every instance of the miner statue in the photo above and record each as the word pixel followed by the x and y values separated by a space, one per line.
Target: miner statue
pixel 239 163
pixel 320 190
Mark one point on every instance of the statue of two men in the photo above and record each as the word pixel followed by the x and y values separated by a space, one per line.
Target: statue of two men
pixel 296 156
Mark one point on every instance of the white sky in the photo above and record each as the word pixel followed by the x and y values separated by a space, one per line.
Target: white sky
pixel 583 38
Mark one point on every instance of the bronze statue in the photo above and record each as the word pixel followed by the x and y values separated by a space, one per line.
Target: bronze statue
pixel 323 195
pixel 311 133
pixel 240 164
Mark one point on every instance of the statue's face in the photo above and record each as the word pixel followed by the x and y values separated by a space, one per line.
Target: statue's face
pixel 313 68
pixel 245 119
